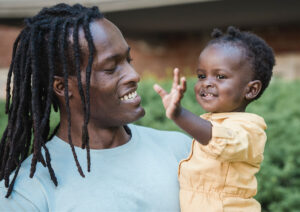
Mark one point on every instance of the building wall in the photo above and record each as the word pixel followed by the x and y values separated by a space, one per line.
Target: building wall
pixel 158 54
pixel 8 35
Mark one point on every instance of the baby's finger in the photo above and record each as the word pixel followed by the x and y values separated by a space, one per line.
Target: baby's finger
pixel 178 95
pixel 159 90
pixel 183 84
pixel 175 78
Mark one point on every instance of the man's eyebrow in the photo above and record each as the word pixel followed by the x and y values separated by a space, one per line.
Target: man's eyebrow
pixel 117 56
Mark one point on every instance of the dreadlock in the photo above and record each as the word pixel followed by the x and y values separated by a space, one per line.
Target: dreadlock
pixel 40 52
pixel 259 53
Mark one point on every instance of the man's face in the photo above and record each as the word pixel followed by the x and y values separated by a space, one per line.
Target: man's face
pixel 113 83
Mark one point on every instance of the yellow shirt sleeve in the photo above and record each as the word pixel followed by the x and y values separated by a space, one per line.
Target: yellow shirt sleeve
pixel 236 140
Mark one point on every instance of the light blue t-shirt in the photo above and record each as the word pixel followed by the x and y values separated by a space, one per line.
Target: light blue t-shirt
pixel 140 175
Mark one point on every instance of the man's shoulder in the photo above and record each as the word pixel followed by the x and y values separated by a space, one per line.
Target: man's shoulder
pixel 176 143
pixel 36 188
pixel 23 190
pixel 148 131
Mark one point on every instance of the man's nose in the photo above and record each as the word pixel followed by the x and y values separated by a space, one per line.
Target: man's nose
pixel 131 75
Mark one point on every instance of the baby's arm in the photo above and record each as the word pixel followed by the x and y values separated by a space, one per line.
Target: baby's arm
pixel 197 127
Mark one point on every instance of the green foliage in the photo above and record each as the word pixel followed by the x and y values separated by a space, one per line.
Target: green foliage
pixel 279 177
pixel 3 117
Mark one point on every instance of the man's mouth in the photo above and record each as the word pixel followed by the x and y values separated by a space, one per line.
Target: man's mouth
pixel 131 95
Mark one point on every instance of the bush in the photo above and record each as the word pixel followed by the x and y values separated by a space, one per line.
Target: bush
pixel 279 177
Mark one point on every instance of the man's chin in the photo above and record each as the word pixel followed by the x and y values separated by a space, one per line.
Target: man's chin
pixel 140 113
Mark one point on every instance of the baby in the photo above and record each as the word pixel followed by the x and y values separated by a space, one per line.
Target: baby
pixel 219 175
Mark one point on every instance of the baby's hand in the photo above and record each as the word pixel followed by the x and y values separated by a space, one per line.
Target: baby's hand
pixel 171 101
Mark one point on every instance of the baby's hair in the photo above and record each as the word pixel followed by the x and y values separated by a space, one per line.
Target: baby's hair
pixel 258 52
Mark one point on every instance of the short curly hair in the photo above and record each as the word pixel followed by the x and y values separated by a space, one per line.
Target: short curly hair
pixel 259 53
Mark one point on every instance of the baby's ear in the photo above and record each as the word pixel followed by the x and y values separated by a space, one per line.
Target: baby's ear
pixel 253 89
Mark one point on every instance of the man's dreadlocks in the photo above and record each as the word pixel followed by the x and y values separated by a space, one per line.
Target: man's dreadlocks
pixel 41 51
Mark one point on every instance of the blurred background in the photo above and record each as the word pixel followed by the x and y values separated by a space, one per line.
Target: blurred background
pixel 164 34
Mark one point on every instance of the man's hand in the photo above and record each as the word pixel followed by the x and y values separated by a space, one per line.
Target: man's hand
pixel 171 101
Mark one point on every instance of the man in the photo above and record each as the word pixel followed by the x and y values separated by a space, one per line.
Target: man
pixel 73 59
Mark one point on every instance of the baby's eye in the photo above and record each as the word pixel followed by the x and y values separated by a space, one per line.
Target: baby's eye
pixel 220 76
pixel 201 76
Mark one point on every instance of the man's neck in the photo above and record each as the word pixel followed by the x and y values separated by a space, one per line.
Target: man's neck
pixel 99 138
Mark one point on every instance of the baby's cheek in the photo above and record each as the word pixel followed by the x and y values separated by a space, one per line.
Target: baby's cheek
pixel 196 88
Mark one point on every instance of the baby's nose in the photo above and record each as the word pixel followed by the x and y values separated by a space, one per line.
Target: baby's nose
pixel 208 82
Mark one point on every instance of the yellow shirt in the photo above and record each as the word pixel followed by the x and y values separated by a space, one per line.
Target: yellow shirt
pixel 221 175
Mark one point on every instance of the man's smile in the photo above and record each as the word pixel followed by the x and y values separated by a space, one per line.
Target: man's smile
pixel 131 95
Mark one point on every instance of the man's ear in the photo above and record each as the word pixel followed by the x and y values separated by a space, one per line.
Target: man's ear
pixel 59 87
pixel 253 89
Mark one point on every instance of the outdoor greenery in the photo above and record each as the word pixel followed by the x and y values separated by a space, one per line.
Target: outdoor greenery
pixel 279 177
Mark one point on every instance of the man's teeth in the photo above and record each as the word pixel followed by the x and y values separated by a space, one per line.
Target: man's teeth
pixel 208 94
pixel 129 96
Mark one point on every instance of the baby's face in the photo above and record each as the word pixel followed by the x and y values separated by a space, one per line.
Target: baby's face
pixel 223 74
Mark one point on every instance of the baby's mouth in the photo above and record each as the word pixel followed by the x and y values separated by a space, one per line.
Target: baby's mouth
pixel 131 95
pixel 207 95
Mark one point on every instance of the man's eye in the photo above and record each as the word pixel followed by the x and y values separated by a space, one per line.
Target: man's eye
pixel 129 59
pixel 110 71
pixel 220 76
pixel 201 76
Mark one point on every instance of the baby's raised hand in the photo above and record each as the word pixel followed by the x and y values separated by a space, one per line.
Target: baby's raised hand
pixel 171 101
